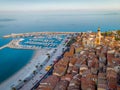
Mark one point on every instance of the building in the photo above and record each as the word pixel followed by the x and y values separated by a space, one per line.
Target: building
pixel 98 37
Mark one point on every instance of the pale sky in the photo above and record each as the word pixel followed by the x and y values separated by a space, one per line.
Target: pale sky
pixel 31 5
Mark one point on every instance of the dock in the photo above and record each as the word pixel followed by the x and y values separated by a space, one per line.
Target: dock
pixel 14 35
pixel 4 46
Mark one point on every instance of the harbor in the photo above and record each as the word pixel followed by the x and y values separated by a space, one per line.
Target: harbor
pixel 35 70
pixel 51 62
pixel 35 42
pixel 91 63
pixel 59 44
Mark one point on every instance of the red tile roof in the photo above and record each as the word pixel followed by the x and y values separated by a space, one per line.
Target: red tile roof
pixel 67 77
pixel 49 83
pixel 62 85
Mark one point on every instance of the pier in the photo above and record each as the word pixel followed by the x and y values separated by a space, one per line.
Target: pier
pixel 35 43
pixel 4 46
pixel 33 80
pixel 14 35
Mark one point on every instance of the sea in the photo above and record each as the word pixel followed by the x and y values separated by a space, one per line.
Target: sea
pixel 12 60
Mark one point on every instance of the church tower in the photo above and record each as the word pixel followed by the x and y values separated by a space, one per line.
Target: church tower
pixel 99 33
pixel 98 37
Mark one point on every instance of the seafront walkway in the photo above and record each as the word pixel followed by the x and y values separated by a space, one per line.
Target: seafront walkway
pixel 30 84
pixel 39 58
pixel 16 81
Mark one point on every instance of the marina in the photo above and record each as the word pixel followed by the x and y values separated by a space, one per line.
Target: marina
pixel 45 56
pixel 55 45
pixel 36 42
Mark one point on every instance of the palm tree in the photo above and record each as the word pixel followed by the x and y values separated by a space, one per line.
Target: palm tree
pixel 34 72
pixel 41 66
pixel 20 80
pixel 13 88
pixel 36 66
pixel 25 80
pixel 48 55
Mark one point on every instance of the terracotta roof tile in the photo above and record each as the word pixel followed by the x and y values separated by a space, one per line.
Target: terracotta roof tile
pixel 112 86
pixel 75 70
pixel 49 83
pixel 118 87
pixel 69 70
pixel 72 61
pixel 75 83
pixel 83 68
pixel 62 85
pixel 67 77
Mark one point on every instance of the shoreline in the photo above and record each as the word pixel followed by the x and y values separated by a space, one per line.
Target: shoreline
pixel 25 71
pixel 55 53
pixel 25 74
pixel 34 52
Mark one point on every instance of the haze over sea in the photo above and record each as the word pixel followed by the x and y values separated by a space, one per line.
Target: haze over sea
pixel 12 60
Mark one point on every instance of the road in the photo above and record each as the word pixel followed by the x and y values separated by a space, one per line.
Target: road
pixel 42 72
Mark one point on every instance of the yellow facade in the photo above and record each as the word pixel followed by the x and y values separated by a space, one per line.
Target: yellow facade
pixel 98 37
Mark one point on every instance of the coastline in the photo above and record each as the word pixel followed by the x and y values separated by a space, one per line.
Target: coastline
pixel 20 79
pixel 25 71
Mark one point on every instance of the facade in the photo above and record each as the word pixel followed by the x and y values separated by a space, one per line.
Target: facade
pixel 90 64
pixel 98 37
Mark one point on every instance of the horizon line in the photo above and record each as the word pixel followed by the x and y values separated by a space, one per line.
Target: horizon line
pixel 57 10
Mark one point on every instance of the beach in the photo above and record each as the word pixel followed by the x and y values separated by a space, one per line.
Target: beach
pixel 38 58
pixel 36 66
pixel 55 53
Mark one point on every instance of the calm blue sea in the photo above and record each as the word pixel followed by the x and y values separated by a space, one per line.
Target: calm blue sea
pixel 12 60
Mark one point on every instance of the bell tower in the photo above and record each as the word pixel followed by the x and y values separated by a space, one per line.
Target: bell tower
pixel 98 37
pixel 99 33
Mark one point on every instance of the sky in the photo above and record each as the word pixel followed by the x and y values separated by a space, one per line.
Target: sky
pixel 31 5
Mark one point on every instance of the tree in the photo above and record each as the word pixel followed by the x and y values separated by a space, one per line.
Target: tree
pixel 20 80
pixel 48 55
pixel 25 80
pixel 34 72
pixel 41 66
pixel 36 66
pixel 118 32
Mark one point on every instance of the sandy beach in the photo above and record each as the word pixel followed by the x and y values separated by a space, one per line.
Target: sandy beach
pixel 28 72
pixel 38 58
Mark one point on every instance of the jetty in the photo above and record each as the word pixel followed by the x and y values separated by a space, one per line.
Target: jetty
pixel 2 47
pixel 30 76
pixel 35 42
pixel 14 35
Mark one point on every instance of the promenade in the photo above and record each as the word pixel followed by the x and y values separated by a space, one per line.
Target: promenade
pixel 32 73
pixel 43 72
pixel 26 72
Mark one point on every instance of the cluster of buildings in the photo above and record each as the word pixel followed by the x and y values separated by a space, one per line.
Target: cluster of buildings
pixel 92 63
